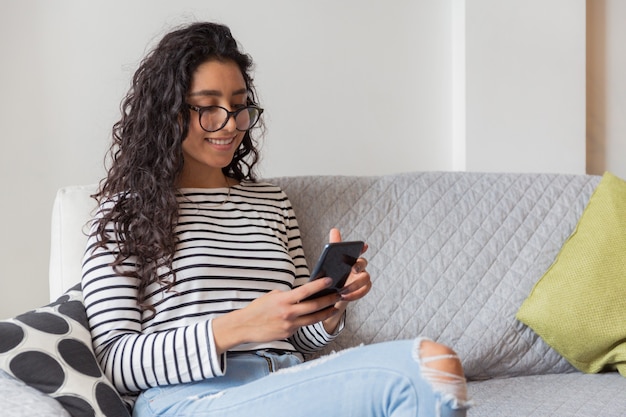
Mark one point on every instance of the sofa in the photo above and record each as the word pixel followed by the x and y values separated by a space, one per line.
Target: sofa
pixel 495 265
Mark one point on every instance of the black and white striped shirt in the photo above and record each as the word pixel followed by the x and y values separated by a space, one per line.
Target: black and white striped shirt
pixel 229 253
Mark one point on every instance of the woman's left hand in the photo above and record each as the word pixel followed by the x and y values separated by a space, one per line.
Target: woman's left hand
pixel 357 285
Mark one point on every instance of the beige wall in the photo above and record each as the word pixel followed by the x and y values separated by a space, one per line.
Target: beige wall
pixel 606 87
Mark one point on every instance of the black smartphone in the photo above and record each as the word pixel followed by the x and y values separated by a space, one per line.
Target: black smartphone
pixel 336 262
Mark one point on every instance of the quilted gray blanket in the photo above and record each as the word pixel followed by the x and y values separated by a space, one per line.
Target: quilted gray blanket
pixel 452 256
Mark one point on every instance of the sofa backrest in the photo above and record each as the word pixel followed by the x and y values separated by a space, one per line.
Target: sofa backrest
pixel 452 255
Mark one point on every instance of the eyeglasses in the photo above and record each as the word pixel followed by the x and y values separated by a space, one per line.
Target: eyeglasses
pixel 214 118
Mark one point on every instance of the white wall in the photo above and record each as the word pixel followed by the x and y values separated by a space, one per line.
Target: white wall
pixel 350 87
pixel 525 85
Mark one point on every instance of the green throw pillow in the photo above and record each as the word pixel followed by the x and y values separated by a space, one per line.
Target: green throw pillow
pixel 579 306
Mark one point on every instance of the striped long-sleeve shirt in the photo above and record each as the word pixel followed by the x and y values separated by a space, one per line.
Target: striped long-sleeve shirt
pixel 228 255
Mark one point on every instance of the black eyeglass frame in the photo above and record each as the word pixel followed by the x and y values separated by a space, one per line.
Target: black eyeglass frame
pixel 229 114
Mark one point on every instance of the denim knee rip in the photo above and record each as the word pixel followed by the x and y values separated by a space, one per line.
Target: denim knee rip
pixel 452 387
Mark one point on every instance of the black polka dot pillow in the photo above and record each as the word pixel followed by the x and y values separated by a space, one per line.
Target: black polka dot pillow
pixel 50 350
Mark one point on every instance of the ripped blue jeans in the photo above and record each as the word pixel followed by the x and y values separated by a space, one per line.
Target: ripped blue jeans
pixel 386 379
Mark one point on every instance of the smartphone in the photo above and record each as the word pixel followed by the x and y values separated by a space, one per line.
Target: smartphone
pixel 336 262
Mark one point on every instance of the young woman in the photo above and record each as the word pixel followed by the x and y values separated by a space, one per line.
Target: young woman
pixel 194 275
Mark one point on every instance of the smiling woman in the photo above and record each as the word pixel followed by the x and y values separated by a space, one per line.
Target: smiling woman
pixel 214 137
pixel 195 281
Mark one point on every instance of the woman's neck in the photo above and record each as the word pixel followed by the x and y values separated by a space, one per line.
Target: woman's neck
pixel 211 180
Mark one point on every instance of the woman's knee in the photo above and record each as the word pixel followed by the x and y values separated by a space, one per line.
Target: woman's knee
pixel 440 357
pixel 442 368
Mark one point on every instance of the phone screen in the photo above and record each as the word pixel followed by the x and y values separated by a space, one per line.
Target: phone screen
pixel 336 262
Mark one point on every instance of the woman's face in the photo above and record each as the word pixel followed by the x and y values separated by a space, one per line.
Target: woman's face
pixel 215 83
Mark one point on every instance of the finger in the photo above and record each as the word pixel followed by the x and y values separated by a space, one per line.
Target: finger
pixel 334 235
pixel 353 294
pixel 358 278
pixel 359 266
pixel 317 316
pixel 306 308
pixel 310 288
pixel 362 281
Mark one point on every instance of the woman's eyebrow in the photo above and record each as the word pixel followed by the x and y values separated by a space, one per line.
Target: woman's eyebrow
pixel 217 93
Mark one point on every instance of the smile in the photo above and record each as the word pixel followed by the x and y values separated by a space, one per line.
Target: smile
pixel 220 141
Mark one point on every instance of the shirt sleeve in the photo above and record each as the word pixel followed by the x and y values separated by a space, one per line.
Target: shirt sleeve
pixel 131 359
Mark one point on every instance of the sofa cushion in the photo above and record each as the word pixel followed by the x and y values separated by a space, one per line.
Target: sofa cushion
pixel 19 400
pixel 50 350
pixel 572 395
pixel 579 306
pixel 452 256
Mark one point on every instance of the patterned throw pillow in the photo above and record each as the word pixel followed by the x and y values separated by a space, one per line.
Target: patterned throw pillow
pixel 50 350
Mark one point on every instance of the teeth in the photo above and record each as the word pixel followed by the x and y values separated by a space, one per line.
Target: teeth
pixel 221 141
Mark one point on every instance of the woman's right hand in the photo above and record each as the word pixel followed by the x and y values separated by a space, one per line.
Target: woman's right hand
pixel 274 316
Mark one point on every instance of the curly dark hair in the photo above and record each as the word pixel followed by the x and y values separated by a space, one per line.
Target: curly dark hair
pixel 146 154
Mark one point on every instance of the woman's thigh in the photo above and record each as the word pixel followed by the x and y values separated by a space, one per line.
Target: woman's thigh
pixel 377 380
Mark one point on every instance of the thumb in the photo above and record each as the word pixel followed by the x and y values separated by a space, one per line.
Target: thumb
pixel 334 235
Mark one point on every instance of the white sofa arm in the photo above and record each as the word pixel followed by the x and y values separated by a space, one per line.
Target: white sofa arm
pixel 73 207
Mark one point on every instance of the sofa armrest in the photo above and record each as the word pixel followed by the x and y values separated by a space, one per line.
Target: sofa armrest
pixel 73 207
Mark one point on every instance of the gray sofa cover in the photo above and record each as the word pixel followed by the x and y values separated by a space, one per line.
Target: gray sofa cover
pixel 452 256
